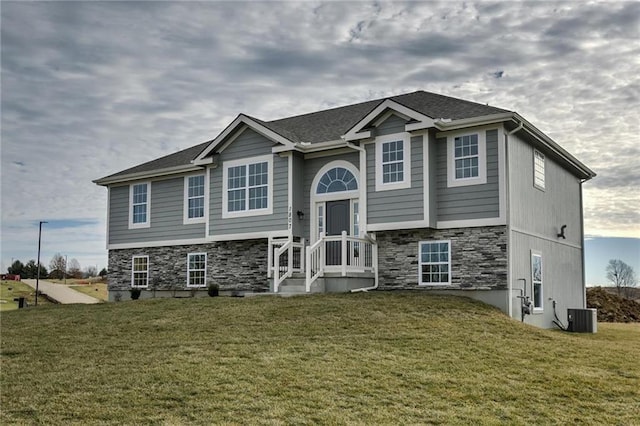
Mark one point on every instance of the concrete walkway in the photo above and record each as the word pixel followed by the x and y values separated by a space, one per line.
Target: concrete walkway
pixel 62 293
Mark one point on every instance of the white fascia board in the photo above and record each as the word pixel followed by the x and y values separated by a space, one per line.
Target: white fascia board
pixel 249 236
pixel 391 226
pixel 164 243
pixel 355 132
pixel 444 126
pixel 555 148
pixel 240 120
pixel 148 174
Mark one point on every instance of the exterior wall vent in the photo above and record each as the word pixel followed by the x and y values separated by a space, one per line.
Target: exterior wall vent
pixel 583 320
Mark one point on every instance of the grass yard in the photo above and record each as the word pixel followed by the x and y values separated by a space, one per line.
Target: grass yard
pixel 97 290
pixel 375 358
pixel 12 289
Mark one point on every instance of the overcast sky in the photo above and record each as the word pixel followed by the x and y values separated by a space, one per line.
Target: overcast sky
pixel 92 88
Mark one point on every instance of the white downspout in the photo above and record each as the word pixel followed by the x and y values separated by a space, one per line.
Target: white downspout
pixel 363 208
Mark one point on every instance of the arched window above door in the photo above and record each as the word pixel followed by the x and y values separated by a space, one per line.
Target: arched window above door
pixel 337 179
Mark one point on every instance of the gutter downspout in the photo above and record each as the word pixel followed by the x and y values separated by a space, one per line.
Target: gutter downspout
pixel 508 218
pixel 584 278
pixel 363 208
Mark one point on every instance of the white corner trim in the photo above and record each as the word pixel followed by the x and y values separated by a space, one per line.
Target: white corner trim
pixel 108 236
pixel 502 175
pixel 225 195
pixel 290 194
pixel 482 159
pixel 185 201
pixel 426 171
pixel 146 224
pixel 406 144
pixel 207 201
pixel 163 243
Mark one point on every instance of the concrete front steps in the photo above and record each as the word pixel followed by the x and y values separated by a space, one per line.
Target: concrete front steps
pixel 329 283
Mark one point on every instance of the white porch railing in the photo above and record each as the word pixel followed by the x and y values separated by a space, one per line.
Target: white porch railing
pixel 340 253
pixel 285 258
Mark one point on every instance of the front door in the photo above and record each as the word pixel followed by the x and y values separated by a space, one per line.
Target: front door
pixel 338 220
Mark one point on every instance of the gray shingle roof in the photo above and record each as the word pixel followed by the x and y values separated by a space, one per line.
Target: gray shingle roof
pixel 330 124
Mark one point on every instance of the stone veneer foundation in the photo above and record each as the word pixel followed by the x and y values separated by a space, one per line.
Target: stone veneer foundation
pixel 478 257
pixel 233 265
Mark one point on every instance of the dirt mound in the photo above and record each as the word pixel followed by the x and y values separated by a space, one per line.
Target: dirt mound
pixel 611 307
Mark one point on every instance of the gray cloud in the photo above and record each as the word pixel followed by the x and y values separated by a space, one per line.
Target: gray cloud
pixel 95 87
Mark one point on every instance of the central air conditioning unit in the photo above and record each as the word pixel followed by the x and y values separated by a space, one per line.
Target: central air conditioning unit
pixel 582 320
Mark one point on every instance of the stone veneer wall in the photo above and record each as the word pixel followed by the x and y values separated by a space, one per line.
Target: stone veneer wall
pixel 478 256
pixel 233 265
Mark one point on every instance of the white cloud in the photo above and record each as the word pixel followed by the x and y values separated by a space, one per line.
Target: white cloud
pixel 96 87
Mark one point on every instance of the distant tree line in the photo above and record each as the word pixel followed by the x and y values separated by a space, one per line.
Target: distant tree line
pixel 622 276
pixel 58 269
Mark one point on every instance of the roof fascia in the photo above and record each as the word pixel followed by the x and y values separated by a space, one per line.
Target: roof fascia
pixel 147 174
pixel 585 172
pixel 356 132
pixel 582 170
pixel 241 120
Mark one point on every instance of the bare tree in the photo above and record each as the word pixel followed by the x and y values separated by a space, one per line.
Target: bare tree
pixel 74 269
pixel 90 271
pixel 621 275
pixel 57 266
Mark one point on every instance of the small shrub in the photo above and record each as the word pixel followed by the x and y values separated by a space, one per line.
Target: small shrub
pixel 212 290
pixel 117 297
pixel 135 293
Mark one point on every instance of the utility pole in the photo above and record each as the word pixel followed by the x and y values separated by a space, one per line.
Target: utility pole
pixel 38 276
pixel 65 269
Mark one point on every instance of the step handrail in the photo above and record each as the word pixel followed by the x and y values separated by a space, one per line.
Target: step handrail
pixel 277 278
pixel 314 261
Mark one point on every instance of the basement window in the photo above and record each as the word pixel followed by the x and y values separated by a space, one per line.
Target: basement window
pixel 197 270
pixel 435 263
pixel 140 272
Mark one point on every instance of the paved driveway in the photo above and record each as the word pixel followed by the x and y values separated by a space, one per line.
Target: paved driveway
pixel 62 293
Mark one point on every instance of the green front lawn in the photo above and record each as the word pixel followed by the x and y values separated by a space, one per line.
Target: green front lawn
pixel 375 358
pixel 10 290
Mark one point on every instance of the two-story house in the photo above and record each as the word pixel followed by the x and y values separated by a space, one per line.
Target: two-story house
pixel 417 191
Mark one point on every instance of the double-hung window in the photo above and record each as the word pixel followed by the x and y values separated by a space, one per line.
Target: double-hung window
pixel 140 271
pixel 393 162
pixel 466 158
pixel 139 196
pixel 197 270
pixel 536 280
pixel 435 263
pixel 248 187
pixel 538 169
pixel 194 190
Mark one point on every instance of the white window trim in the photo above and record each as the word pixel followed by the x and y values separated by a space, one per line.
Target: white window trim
pixel 538 309
pixel 544 170
pixel 420 263
pixel 406 161
pixel 321 199
pixel 186 220
pixel 133 271
pixel 226 214
pixel 482 159
pixel 146 224
pixel 189 271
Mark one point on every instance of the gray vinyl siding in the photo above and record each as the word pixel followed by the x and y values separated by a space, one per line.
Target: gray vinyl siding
pixel 473 201
pixel 311 168
pixel 391 125
pixel 542 212
pixel 166 210
pixel 397 205
pixel 298 196
pixel 562 278
pixel 249 144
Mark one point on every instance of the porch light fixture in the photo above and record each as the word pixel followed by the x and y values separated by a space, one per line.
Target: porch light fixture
pixel 300 214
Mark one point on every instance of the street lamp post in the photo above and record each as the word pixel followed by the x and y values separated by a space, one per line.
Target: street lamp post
pixel 38 275
pixel 65 269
